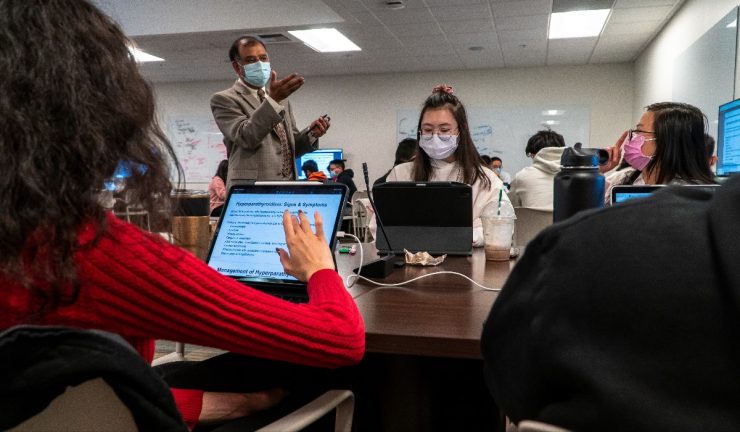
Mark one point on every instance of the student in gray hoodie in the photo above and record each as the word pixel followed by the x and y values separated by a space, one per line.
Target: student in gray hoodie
pixel 532 186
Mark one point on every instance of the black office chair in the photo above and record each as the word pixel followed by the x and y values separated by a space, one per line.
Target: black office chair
pixel 68 379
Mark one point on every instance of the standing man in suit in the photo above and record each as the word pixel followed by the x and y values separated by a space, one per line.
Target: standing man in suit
pixel 261 139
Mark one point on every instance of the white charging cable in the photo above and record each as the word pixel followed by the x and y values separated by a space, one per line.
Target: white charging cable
pixel 349 282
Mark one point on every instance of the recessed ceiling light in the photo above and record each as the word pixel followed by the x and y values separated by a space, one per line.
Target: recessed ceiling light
pixel 142 57
pixel 476 48
pixel 576 24
pixel 325 40
pixel 553 112
pixel 394 4
pixel 551 122
pixel 732 24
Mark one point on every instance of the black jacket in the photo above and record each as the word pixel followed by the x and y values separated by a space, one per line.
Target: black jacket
pixel 345 177
pixel 38 363
pixel 625 319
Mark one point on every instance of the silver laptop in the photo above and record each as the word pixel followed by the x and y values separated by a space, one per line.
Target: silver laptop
pixel 251 227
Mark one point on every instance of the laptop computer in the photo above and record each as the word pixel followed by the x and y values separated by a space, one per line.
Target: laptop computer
pixel 436 217
pixel 251 227
pixel 622 193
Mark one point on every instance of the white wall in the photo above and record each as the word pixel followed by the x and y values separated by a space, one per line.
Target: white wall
pixel 654 68
pixel 363 107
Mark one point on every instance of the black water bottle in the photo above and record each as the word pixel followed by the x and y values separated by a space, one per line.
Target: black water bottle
pixel 579 185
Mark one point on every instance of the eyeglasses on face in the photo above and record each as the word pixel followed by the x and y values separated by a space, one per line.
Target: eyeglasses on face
pixel 633 132
pixel 444 133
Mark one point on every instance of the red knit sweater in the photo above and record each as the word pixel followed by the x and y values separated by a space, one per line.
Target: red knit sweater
pixel 137 285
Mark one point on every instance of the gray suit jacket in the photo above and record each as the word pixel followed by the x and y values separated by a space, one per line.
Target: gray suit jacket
pixel 252 145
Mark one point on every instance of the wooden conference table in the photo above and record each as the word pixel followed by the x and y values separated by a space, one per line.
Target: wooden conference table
pixel 438 316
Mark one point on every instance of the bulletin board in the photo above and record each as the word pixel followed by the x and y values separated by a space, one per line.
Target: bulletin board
pixel 198 145
pixel 504 131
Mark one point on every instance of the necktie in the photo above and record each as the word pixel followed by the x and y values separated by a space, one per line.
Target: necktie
pixel 285 151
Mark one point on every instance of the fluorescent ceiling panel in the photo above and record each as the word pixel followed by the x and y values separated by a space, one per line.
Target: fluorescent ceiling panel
pixel 577 24
pixel 325 40
pixel 142 57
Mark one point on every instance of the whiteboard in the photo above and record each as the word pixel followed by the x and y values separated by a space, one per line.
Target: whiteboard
pixel 504 131
pixel 198 144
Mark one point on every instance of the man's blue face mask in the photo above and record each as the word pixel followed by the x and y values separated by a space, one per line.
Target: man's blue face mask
pixel 257 74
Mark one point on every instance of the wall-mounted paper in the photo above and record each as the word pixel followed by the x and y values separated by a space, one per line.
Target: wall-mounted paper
pixel 198 145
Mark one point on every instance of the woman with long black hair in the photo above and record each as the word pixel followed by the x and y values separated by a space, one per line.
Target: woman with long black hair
pixel 447 153
pixel 665 147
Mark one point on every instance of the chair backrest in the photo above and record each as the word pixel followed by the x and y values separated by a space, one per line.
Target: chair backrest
pixel 361 213
pixel 62 378
pixel 90 406
pixel 529 222
pixel 358 195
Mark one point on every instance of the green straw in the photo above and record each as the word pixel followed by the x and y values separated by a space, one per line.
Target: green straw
pixel 500 193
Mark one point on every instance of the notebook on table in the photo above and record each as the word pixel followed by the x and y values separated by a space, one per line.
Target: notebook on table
pixel 251 227
pixel 436 217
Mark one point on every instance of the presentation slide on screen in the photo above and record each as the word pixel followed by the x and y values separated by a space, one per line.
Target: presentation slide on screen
pixel 731 148
pixel 252 228
pixel 622 197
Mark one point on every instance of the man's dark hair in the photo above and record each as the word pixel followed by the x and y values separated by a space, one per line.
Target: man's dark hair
pixel 486 159
pixel 310 166
pixel 246 40
pixel 496 158
pixel 337 162
pixel 543 139
pixel 406 150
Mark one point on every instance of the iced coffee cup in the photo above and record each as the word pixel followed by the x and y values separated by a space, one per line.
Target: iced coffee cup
pixel 498 230
pixel 498 233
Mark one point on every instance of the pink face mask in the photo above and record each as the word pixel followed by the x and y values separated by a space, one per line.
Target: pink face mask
pixel 633 152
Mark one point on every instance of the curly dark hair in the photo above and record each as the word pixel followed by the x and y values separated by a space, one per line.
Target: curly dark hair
pixel 466 153
pixel 72 106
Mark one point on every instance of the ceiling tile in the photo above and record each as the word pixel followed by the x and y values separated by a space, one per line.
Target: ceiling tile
pixel 404 16
pixel 457 13
pixel 415 29
pixel 570 51
pixel 634 15
pixel 433 3
pixel 648 27
pixel 380 5
pixel 470 39
pixel 523 22
pixel 626 39
pixel 432 50
pixel 483 61
pixel 523 35
pixel 530 55
pixel 624 4
pixel 468 26
pixel 612 53
pixel 574 5
pixel 520 8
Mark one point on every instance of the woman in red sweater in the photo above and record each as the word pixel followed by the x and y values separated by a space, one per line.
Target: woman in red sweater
pixel 72 106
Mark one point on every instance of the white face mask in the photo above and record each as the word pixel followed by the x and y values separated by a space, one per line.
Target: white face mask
pixel 438 146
